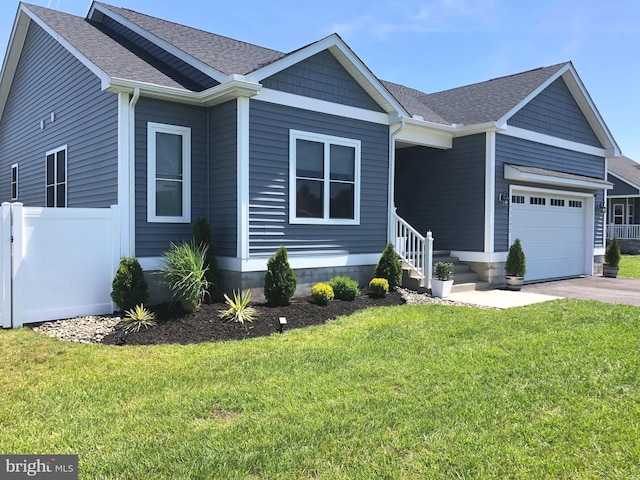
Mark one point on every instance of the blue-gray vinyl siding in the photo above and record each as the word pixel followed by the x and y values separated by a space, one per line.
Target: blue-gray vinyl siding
pixel 555 112
pixel 443 191
pixel 223 178
pixel 620 187
pixel 515 151
pixel 49 79
pixel 321 76
pixel 175 68
pixel 269 184
pixel 152 239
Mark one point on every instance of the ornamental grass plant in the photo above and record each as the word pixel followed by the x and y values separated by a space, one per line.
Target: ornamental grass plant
pixel 185 274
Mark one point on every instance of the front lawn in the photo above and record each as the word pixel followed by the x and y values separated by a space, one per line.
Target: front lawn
pixel 545 391
pixel 629 266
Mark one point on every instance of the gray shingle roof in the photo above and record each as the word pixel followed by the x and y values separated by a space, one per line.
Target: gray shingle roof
pixel 224 54
pixel 107 54
pixel 625 168
pixel 413 102
pixel 477 103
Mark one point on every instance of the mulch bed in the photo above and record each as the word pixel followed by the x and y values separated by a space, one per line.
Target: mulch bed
pixel 176 326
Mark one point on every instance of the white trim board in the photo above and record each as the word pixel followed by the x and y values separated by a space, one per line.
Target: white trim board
pixel 490 192
pixel 321 106
pixel 260 264
pixel 512 173
pixel 553 141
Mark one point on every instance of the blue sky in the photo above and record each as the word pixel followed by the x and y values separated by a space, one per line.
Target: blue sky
pixel 434 45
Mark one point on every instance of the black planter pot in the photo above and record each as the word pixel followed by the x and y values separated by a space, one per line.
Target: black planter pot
pixel 609 271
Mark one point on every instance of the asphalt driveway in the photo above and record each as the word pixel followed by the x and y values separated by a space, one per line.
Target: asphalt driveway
pixel 609 290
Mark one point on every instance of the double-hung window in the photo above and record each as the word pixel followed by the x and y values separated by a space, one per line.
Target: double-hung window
pixel 56 177
pixel 168 173
pixel 324 176
pixel 14 181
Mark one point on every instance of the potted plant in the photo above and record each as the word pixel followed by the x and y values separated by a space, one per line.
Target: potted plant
pixel 611 259
pixel 515 267
pixel 441 285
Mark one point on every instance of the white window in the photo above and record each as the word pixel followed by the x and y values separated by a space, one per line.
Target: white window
pixel 575 203
pixel 630 214
pixel 14 181
pixel 324 179
pixel 168 173
pixel 517 199
pixel 56 178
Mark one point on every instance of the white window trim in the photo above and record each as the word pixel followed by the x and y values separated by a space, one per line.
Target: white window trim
pixel 327 140
pixel 55 174
pixel 185 132
pixel 14 167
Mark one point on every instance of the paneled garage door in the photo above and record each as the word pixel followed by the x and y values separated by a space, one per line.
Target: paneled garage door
pixel 553 231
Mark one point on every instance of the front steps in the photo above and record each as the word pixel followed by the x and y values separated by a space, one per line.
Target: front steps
pixel 464 279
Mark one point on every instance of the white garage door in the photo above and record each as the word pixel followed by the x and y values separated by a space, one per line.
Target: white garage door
pixel 553 231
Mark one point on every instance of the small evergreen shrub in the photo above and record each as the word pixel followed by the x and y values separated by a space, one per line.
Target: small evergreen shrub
pixel 444 271
pixel 612 253
pixel 280 280
pixel 322 294
pixel 239 309
pixel 389 267
pixel 344 288
pixel 185 274
pixel 202 236
pixel 516 265
pixel 378 287
pixel 129 288
pixel 138 317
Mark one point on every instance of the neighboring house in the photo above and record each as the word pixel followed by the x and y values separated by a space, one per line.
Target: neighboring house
pixel 307 149
pixel 623 202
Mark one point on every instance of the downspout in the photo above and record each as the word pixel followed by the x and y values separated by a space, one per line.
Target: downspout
pixel 132 172
pixel 392 179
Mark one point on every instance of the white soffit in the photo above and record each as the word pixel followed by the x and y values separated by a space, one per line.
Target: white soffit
pixel 551 177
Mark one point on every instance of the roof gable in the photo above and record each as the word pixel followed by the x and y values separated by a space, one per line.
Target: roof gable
pixel 555 112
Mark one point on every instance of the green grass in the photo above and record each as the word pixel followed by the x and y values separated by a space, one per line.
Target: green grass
pixel 629 266
pixel 546 391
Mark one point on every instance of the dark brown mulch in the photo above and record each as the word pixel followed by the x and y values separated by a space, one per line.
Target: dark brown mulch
pixel 176 326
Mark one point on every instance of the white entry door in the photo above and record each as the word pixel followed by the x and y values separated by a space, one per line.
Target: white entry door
pixel 554 231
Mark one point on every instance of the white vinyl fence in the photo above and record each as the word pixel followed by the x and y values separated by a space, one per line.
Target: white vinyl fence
pixel 56 262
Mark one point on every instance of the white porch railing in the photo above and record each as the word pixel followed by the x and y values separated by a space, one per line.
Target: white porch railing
pixel 415 249
pixel 623 232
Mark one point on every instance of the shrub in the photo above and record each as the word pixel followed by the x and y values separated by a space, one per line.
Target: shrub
pixel 322 294
pixel 129 288
pixel 612 253
pixel 516 265
pixel 378 287
pixel 239 309
pixel 280 280
pixel 138 317
pixel 344 288
pixel 389 267
pixel 185 274
pixel 444 271
pixel 202 236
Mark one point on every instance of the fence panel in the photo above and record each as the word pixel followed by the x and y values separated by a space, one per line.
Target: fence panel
pixel 64 260
pixel 5 266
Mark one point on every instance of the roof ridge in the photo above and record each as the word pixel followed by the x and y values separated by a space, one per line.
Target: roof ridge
pixel 110 7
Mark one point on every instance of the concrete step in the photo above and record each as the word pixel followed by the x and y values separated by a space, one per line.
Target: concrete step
pixel 470 286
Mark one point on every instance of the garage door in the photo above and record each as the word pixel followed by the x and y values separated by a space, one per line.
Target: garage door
pixel 553 232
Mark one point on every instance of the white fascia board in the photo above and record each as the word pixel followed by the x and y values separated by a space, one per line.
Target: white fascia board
pixel 347 59
pixel 466 130
pixel 12 55
pixel 260 264
pixel 511 173
pixel 479 257
pixel 623 196
pixel 233 88
pixel 172 49
pixel 321 106
pixel 524 134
